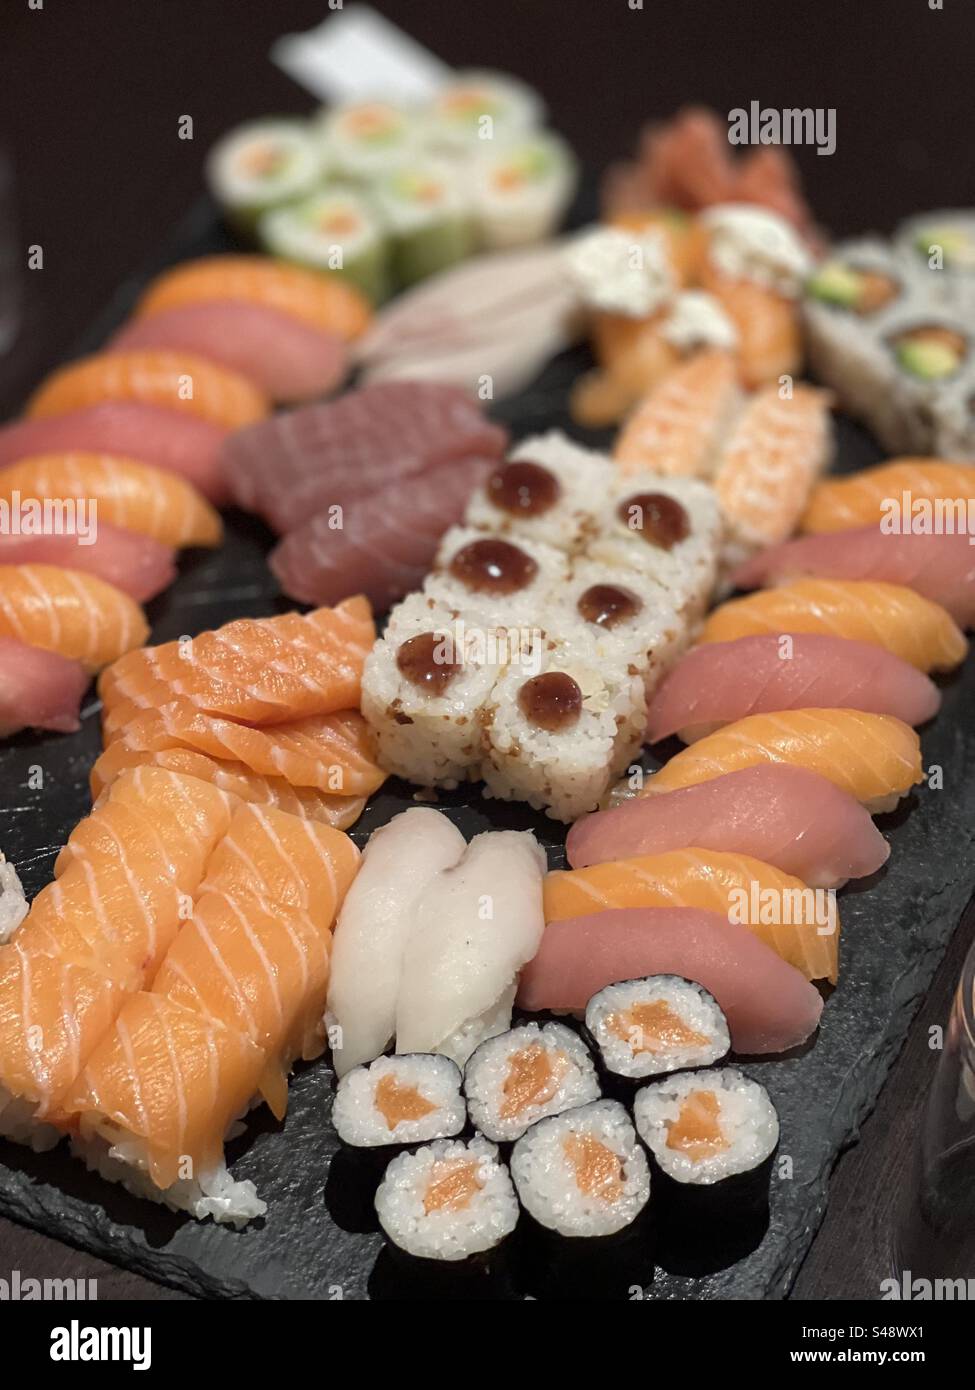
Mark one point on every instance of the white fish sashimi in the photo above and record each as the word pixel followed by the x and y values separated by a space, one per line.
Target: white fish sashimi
pixel 401 861
pixel 13 904
pixel 476 925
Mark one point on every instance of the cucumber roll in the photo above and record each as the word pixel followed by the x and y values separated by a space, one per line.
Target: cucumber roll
pixel 481 106
pixel 428 219
pixel 366 140
pixel 260 166
pixel 520 191
pixel 334 230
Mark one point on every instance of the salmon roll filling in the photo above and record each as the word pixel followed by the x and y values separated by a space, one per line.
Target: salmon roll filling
pixel 525 1075
pixel 707 1126
pixel 407 1099
pixel 661 1024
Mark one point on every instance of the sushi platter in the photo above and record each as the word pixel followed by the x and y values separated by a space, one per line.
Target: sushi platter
pixel 347 790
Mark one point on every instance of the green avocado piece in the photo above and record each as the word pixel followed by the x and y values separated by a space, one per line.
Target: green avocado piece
pixel 835 283
pixel 927 360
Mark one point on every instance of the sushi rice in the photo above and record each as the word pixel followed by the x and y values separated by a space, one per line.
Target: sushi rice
pixel 365 140
pixel 518 604
pixel 262 165
pixel 478 107
pixel 334 230
pixel 520 191
pixel 524 1075
pixel 427 217
pixel 405 1099
pixel 13 903
pixel 661 1024
pixel 745 1127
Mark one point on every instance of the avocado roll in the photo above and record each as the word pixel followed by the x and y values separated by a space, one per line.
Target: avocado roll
pixel 520 191
pixel 526 1074
pixel 939 247
pixel 428 219
pixel 410 1098
pixel 262 165
pixel 335 230
pixel 479 106
pixel 656 1025
pixel 366 140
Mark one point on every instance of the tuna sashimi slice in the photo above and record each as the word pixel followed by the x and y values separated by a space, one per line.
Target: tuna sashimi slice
pixel 38 689
pixel 725 681
pixel 785 816
pixel 768 1004
pixel 138 565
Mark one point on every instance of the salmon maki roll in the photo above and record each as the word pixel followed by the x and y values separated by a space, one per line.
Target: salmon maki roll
pixel 800 925
pixel 179 381
pixel 680 426
pixel 324 301
pixel 38 689
pixel 139 566
pixel 886 615
pixel 128 494
pixel 874 757
pixel 260 670
pixel 873 495
pixel 68 612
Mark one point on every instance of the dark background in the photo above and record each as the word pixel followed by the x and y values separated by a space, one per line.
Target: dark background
pixel 91 92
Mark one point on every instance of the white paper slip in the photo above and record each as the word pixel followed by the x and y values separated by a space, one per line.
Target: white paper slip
pixel 355 55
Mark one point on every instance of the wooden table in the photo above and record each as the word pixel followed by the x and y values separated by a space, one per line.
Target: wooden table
pixel 91 97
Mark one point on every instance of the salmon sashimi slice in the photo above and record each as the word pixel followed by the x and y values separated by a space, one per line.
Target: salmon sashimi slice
pixel 140 567
pixel 333 752
pixel 866 498
pixel 770 462
pixel 874 757
pixel 324 301
pixel 165 1084
pixel 129 494
pixel 263 670
pixel 68 612
pixel 236 780
pixel 53 1013
pixel 38 689
pixel 680 426
pixel 178 381
pixel 800 925
pixel 256 954
pixel 886 615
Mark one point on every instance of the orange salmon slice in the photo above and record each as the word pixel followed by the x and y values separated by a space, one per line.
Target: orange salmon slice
pixel 840 504
pixel 66 611
pixel 697 1131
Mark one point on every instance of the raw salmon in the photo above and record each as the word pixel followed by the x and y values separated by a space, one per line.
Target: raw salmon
pixel 768 327
pixel 325 302
pixel 260 670
pixel 785 816
pixel 724 681
pixel 800 926
pixel 69 612
pixel 887 615
pixel 840 504
pixel 769 1006
pixel 942 568
pixel 139 566
pixel 38 689
pixel 874 757
pixel 681 424
pixel 178 381
pixel 129 494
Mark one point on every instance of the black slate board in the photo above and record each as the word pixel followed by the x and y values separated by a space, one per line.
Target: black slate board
pixel 319 1239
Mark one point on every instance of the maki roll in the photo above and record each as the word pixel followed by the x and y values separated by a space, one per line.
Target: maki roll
pixel 405 1099
pixel 524 1075
pixel 493 581
pixel 448 1201
pixel 582 1173
pixel 939 249
pixel 481 106
pixel 335 230
pixel 657 1025
pixel 427 217
pixel 261 165
pixel 364 140
pixel 520 191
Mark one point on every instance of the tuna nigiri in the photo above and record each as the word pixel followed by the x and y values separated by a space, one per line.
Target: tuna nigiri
pixel 869 497
pixel 69 612
pixel 874 757
pixel 179 381
pixel 769 1006
pixel 680 426
pixel 38 689
pixel 139 566
pixel 887 615
pixel 167 439
pixel 283 355
pixel 801 925
pixel 723 681
pixel 326 302
pixel 941 567
pixel 785 816
pixel 128 494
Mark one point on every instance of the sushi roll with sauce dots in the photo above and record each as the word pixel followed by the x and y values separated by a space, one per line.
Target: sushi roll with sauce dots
pixel 520 191
pixel 405 1099
pixel 335 230
pixel 478 108
pixel 524 1075
pixel 261 165
pixel 365 140
pixel 448 1201
pixel 428 219
pixel 661 1024
pixel 582 1173
pixel 493 581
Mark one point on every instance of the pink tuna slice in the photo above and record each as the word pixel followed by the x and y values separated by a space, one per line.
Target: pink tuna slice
pixel 138 565
pixel 38 689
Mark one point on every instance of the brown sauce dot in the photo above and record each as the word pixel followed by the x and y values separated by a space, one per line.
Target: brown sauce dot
pixel 493 566
pixel 523 489
pixel 606 605
pixel 552 701
pixel 659 519
pixel 427 661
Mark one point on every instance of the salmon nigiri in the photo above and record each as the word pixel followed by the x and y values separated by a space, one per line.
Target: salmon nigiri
pixel 887 615
pixel 178 381
pixel 38 689
pixel 868 497
pixel 874 757
pixel 941 567
pixel 800 926
pixel 679 427
pixel 768 328
pixel 324 301
pixel 68 612
pixel 721 682
pixel 132 495
pixel 138 565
